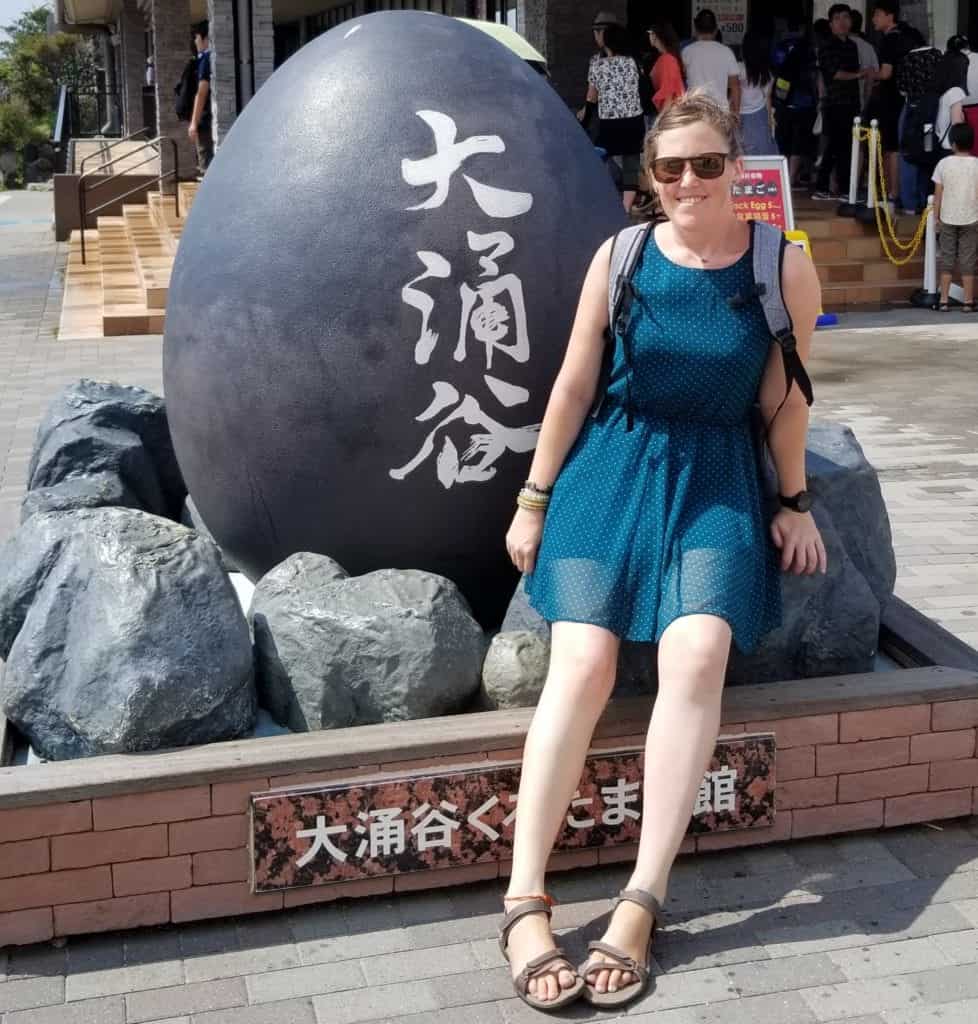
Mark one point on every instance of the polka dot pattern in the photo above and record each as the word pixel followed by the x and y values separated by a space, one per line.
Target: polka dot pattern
pixel 667 520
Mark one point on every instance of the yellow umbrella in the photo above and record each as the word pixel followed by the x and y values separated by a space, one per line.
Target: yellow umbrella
pixel 510 39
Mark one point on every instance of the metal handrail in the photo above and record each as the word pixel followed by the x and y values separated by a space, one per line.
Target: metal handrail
pixel 105 149
pixel 59 123
pixel 175 174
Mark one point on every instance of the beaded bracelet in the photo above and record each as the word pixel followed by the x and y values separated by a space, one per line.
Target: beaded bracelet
pixel 533 501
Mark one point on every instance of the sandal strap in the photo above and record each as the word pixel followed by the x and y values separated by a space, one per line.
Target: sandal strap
pixel 540 965
pixel 642 898
pixel 624 961
pixel 531 906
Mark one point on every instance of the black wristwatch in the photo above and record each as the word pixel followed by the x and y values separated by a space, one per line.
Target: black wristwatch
pixel 800 502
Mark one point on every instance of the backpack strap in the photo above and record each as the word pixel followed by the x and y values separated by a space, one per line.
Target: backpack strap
pixel 626 251
pixel 769 246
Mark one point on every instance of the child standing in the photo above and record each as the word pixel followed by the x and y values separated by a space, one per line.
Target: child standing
pixel 956 213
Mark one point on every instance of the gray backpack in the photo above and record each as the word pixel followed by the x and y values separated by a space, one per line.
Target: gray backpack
pixel 769 246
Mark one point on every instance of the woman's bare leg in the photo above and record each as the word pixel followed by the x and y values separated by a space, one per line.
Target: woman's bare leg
pixel 580 679
pixel 681 739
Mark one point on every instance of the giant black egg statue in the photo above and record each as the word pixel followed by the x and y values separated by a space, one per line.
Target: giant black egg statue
pixel 371 299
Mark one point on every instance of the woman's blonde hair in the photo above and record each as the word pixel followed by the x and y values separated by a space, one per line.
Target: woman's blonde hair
pixel 696 107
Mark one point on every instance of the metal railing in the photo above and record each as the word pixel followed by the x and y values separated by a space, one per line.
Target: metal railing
pixel 104 150
pixel 155 144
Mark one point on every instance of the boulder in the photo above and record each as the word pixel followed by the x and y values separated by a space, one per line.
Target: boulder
pixel 514 670
pixel 120 633
pixel 830 623
pixel 335 650
pixel 96 427
pixel 98 490
pixel 190 516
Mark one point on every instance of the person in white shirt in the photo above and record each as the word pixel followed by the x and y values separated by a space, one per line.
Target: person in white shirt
pixel 756 82
pixel 710 66
pixel 961 45
pixel 950 79
pixel 956 215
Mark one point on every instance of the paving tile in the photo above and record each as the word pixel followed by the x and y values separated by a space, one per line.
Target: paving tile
pixel 784 975
pixel 36 962
pixel 958 947
pixel 963 1012
pixel 31 992
pixel 240 962
pixel 192 999
pixel 379 1002
pixel 687 988
pixel 111 1010
pixel 304 981
pixel 779 1008
pixel 891 958
pixel 852 998
pixel 946 984
pixel 114 981
pixel 480 1013
pixel 420 963
pixel 290 1011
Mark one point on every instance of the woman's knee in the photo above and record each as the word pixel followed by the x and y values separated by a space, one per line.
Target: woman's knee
pixel 583 661
pixel 693 653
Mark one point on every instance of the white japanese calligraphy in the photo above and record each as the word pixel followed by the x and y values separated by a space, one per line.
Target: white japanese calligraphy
pixel 580 801
pixel 386 832
pixel 320 836
pixel 448 157
pixel 435 828
pixel 617 797
pixel 717 792
pixel 435 265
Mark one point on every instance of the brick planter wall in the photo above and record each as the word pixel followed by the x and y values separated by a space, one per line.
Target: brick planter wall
pixel 116 842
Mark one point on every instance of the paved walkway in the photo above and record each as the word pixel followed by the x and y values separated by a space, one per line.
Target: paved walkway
pixel 871 929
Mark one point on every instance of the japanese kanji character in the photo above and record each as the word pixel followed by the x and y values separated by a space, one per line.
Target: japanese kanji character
pixel 485 448
pixel 580 801
pixel 386 832
pixel 703 804
pixel 474 819
pixel 435 828
pixel 617 797
pixel 435 265
pixel 724 794
pixel 320 836
pixel 448 157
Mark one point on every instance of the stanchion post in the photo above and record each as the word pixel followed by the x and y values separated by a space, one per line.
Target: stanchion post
pixel 854 164
pixel 871 183
pixel 930 250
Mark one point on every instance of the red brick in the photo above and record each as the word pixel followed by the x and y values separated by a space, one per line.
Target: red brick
pixel 29 857
pixel 805 793
pixel 731 729
pixel 144 876
pixel 109 915
pixel 842 758
pixel 45 820
pixel 436 763
pixel 225 833
pixel 779 831
pixel 616 742
pixel 55 887
pixel 955 714
pixel 795 763
pixel 123 844
pixel 151 808
pixel 883 722
pixel 218 866
pixel 228 900
pixel 800 732
pixel 954 774
pixel 339 890
pixel 23 927
pixel 825 821
pixel 313 779
pixel 438 879
pixel 235 797
pixel 902 810
pixel 627 852
pixel 910 778
pixel 509 754
pixel 942 746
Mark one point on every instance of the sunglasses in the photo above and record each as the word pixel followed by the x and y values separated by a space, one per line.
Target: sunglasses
pixel 669 169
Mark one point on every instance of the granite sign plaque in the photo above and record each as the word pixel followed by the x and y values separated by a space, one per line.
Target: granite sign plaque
pixel 416 822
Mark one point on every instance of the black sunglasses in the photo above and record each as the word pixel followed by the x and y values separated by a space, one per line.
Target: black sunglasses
pixel 669 169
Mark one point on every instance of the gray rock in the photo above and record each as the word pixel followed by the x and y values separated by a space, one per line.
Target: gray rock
pixel 100 490
pixel 99 427
pixel 190 516
pixel 515 670
pixel 120 633
pixel 334 650
pixel 521 616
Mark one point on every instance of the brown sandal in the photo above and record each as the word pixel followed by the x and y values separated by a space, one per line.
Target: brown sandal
pixel 538 965
pixel 622 961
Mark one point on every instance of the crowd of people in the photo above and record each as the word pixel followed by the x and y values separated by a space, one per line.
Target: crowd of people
pixel 796 95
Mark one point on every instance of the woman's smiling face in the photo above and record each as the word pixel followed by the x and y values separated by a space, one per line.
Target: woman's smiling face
pixel 694 201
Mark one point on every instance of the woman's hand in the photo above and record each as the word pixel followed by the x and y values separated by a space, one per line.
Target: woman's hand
pixel 797 538
pixel 523 538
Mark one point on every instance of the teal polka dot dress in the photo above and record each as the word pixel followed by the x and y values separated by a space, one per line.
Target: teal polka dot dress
pixel 666 520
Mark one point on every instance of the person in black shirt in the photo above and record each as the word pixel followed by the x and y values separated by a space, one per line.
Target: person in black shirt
pixel 888 101
pixel 838 60
pixel 200 120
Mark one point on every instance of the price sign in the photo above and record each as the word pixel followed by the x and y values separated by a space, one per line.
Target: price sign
pixel 763 192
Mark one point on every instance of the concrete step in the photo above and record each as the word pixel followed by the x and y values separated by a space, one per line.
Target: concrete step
pixel 869 271
pixel 153 255
pixel 838 298
pixel 81 306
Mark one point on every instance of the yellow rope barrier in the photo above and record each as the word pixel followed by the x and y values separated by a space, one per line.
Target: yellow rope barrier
pixel 888 235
